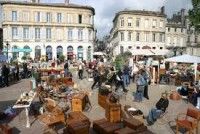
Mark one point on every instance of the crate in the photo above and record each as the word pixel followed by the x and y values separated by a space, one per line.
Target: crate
pixel 102 100
pixel 113 111
pixel 125 130
pixel 133 123
pixel 80 127
pixel 5 129
pixel 103 126
pixel 78 102
pixel 75 117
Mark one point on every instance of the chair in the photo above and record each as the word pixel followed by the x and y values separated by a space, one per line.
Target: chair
pixel 189 122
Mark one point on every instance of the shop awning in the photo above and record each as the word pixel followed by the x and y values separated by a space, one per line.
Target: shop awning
pixel 28 50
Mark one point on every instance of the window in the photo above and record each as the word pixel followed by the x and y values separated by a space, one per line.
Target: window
pixel 91 19
pixel 70 32
pixel 161 23
pixel 129 22
pixel 195 39
pixel 182 30
pixel 90 35
pixel 146 23
pixel 80 34
pixel 122 22
pixel 129 36
pixel 25 16
pixel 14 32
pixel 48 33
pixel 137 22
pixel 69 18
pixel 154 37
pixel 48 17
pixel 122 36
pixel 79 18
pixel 121 49
pixel 168 29
pixel 25 33
pixel 175 29
pixel 154 23
pixel 146 37
pixel 160 38
pixel 37 33
pixel 161 47
pixel 137 47
pixel 59 17
pixel 14 15
pixel 129 47
pixel 37 18
pixel 137 36
pixel 154 47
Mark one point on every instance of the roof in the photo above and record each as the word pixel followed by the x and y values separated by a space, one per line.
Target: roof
pixel 175 25
pixel 63 5
pixel 140 12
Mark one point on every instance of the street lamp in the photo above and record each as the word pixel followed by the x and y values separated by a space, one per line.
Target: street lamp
pixel 7 44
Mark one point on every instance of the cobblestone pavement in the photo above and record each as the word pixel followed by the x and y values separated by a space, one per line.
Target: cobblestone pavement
pixel 165 125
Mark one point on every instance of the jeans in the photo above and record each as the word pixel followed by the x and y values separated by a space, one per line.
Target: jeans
pixel 126 80
pixel 153 115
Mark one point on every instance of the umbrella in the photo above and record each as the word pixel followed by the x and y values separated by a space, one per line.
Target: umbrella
pixel 186 59
pixel 3 58
pixel 99 53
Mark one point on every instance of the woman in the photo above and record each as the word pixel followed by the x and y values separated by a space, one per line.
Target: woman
pixel 140 84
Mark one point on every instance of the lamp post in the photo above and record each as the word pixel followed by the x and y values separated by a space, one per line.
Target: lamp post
pixel 7 44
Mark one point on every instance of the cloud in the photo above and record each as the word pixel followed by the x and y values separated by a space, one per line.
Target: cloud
pixel 106 9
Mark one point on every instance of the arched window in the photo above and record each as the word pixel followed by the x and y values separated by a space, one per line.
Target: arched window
pixel 37 52
pixel 15 52
pixel 59 51
pixel 48 53
pixel 27 50
pixel 70 53
pixel 80 53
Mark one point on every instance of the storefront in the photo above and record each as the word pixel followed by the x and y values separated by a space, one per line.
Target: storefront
pixel 70 53
pixel 48 53
pixel 59 51
pixel 37 52
pixel 80 53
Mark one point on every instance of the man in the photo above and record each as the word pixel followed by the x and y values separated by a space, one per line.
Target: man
pixel 66 67
pixel 5 74
pixel 147 79
pixel 120 81
pixel 80 70
pixel 126 77
pixel 96 77
pixel 160 108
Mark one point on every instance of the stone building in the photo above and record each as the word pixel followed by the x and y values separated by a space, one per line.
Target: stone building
pixel 47 30
pixel 134 30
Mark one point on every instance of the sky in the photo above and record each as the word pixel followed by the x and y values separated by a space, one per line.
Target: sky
pixel 106 9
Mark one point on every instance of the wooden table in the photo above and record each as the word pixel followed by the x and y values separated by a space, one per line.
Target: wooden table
pixel 26 106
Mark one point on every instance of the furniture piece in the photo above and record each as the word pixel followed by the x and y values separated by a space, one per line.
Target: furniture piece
pixel 78 102
pixel 27 100
pixel 102 100
pixel 5 129
pixel 113 111
pixel 74 117
pixel 103 126
pixel 125 130
pixel 189 121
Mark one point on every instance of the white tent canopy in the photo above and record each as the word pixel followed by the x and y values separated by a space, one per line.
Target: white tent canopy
pixel 186 59
pixel 3 58
pixel 149 52
pixel 99 53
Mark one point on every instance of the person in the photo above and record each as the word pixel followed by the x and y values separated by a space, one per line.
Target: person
pixel 194 97
pixel 140 83
pixel 96 77
pixel 80 70
pixel 147 79
pixel 25 69
pixel 120 81
pixel 5 74
pixel 158 110
pixel 17 72
pixel 126 77
pixel 66 67
pixel 134 71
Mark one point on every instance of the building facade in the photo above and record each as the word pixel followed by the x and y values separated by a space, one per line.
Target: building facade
pixel 47 30
pixel 138 29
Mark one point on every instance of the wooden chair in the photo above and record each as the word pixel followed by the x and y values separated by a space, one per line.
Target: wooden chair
pixel 189 122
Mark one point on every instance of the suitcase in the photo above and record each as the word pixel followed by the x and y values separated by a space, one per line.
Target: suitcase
pixel 78 102
pixel 102 100
pixel 79 128
pixel 75 117
pixel 125 130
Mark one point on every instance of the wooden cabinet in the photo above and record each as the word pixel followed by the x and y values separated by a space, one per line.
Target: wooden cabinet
pixel 113 111
pixel 78 102
pixel 102 100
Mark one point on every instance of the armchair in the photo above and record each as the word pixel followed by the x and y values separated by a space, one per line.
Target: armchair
pixel 188 121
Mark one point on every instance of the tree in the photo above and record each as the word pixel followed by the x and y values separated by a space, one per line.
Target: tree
pixel 194 14
pixel 62 58
pixel 24 57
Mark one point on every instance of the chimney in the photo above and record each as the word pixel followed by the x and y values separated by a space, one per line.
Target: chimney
pixel 163 9
pixel 183 17
pixel 66 2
